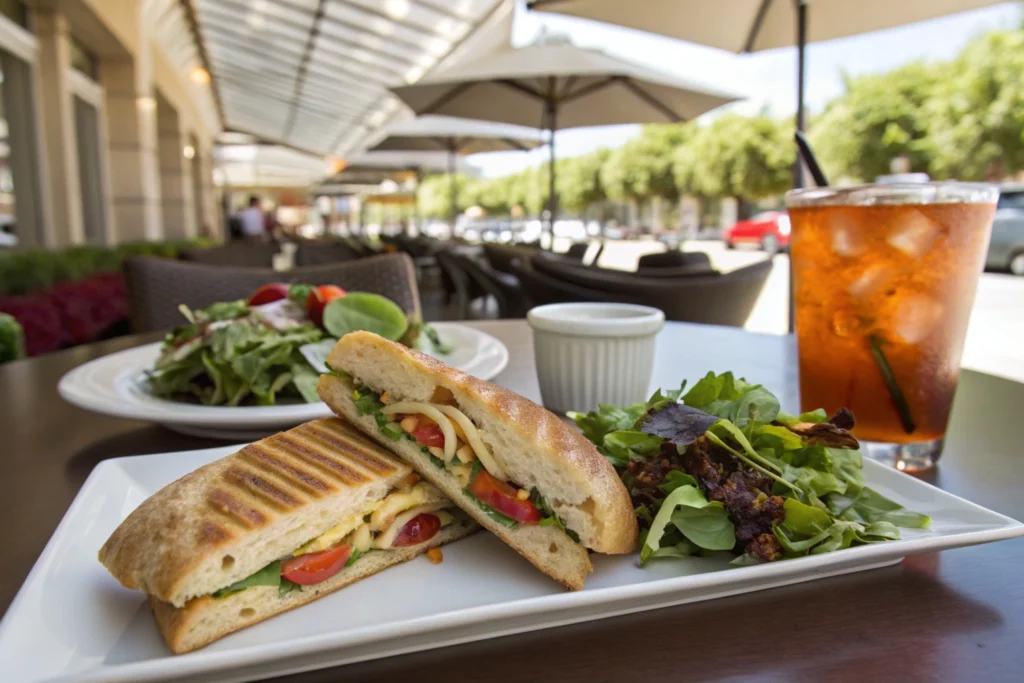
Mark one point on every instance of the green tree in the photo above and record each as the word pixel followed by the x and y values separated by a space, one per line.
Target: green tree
pixel 975 115
pixel 737 156
pixel 880 117
pixel 578 181
pixel 434 196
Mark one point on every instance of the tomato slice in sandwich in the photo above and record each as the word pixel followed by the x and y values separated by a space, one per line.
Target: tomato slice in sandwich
pixel 419 529
pixel 500 496
pixel 311 568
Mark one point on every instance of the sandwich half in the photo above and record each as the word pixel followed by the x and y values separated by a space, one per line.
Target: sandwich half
pixel 516 468
pixel 281 522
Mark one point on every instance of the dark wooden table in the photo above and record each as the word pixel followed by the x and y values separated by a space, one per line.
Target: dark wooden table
pixel 953 616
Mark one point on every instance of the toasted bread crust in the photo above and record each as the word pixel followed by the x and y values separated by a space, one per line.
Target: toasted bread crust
pixel 545 432
pixel 184 629
pixel 569 566
pixel 183 528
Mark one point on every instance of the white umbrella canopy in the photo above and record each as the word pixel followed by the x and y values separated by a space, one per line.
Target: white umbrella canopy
pixel 753 25
pixel 557 85
pixel 461 136
pixel 457 136
pixel 586 87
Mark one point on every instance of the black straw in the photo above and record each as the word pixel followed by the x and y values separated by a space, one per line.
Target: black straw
pixel 807 154
pixel 899 399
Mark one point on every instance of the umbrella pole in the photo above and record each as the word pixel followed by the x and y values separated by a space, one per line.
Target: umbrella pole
pixel 798 169
pixel 453 208
pixel 552 196
pixel 801 76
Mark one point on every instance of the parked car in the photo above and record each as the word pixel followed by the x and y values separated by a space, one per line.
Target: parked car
pixel 1006 250
pixel 769 230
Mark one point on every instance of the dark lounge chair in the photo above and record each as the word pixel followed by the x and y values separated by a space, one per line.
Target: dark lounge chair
pixel 157 286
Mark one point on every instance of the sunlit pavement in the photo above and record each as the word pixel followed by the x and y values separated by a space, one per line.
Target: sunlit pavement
pixel 995 337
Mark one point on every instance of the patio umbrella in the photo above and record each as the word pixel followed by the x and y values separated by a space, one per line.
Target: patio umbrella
pixel 556 85
pixel 456 136
pixel 754 25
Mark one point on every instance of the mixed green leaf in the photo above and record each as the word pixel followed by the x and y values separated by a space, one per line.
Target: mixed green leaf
pixel 722 468
pixel 227 354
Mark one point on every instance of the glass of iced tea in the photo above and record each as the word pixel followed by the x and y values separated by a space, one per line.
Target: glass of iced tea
pixel 884 279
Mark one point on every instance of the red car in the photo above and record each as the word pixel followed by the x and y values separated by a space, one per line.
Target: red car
pixel 769 230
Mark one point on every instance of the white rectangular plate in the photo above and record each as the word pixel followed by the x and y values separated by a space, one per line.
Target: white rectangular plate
pixel 72 622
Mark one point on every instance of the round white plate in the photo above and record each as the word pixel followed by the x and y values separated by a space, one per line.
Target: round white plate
pixel 116 385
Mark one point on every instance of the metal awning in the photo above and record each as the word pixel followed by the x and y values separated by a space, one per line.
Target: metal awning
pixel 314 74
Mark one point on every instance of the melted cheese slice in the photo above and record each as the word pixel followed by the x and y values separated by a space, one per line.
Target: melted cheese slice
pixel 444 416
pixel 387 516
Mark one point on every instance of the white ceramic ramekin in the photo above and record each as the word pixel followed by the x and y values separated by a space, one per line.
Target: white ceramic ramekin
pixel 592 353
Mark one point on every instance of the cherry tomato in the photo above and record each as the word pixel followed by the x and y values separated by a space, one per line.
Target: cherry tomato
pixel 320 297
pixel 311 568
pixel 419 529
pixel 428 434
pixel 266 294
pixel 502 497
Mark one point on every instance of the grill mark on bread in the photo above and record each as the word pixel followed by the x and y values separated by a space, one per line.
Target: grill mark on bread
pixel 255 484
pixel 331 465
pixel 357 448
pixel 242 514
pixel 260 455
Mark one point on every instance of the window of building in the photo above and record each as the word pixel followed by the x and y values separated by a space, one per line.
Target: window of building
pixel 82 59
pixel 16 11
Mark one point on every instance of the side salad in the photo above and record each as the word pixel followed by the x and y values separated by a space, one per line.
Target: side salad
pixel 720 468
pixel 264 349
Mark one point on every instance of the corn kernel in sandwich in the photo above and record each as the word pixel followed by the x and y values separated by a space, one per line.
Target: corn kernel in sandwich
pixel 409 423
pixel 465 453
pixel 385 397
pixel 522 494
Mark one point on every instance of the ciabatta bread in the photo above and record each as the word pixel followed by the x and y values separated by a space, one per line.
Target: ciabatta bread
pixel 231 518
pixel 204 620
pixel 535 447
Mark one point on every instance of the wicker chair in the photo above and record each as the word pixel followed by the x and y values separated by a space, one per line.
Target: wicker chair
pixel 241 255
pixel 500 256
pixel 577 251
pixel 323 252
pixel 157 286
pixel 716 299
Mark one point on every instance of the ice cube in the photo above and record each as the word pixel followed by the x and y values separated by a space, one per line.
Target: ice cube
pixel 915 317
pixel 846 236
pixel 846 323
pixel 914 235
pixel 869 281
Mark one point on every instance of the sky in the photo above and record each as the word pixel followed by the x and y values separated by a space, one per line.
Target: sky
pixel 767 78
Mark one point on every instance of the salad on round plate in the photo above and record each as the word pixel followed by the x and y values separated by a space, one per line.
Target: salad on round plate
pixel 272 347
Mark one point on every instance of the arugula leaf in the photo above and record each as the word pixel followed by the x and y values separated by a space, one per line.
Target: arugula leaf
pixel 299 293
pixel 712 529
pixel 551 518
pixel 814 416
pixel 356 554
pixel 709 527
pixel 268 576
pixel 674 480
pixel 624 445
pixel 305 380
pixel 598 423
pixel 864 504
pixel 287 587
pixel 756 405
pixel 337 372
pixel 491 512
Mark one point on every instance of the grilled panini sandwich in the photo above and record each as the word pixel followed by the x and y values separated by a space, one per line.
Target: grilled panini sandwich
pixel 281 522
pixel 514 467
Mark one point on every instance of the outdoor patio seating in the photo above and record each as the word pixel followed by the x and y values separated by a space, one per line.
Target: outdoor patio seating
pixel 157 286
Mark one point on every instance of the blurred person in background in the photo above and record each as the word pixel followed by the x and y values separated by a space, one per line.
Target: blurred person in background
pixel 253 222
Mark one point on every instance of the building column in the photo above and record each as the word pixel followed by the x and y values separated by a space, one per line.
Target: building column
pixel 60 144
pixel 131 110
pixel 172 176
